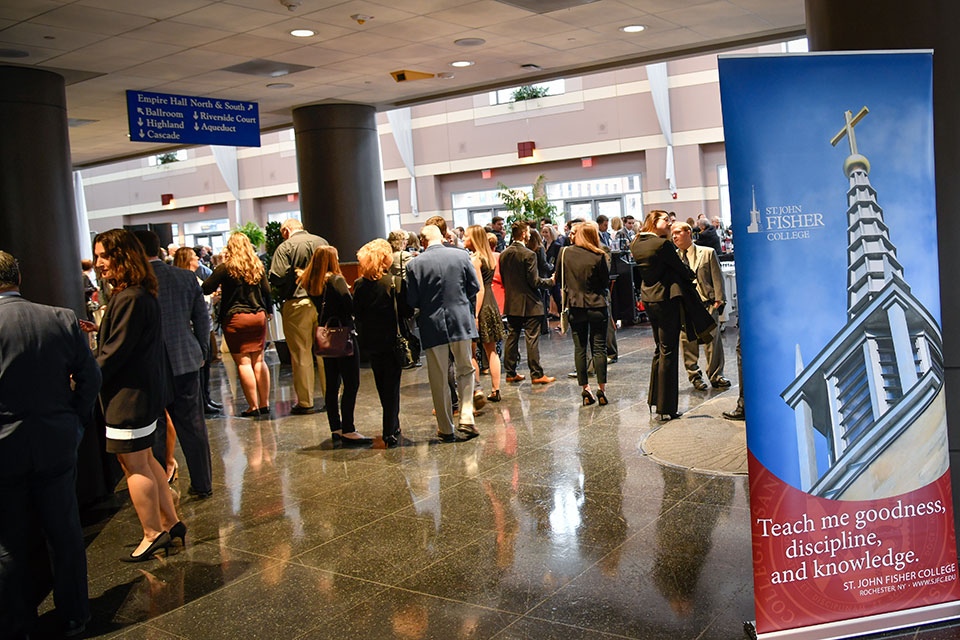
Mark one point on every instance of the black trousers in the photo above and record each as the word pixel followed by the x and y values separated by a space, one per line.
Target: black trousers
pixel 386 375
pixel 530 326
pixel 50 497
pixel 186 411
pixel 340 408
pixel 664 385
pixel 589 327
pixel 205 383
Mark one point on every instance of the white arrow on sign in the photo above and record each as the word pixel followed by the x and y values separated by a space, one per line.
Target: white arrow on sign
pixel 196 127
pixel 195 115
pixel 249 107
pixel 141 134
pixel 140 121
pixel 139 110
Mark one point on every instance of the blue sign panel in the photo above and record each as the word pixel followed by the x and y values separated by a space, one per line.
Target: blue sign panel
pixel 164 117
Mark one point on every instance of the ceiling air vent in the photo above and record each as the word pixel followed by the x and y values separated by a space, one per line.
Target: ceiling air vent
pixel 545 6
pixel 266 68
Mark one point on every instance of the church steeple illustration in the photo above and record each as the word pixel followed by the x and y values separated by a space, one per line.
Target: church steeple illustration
pixel 754 225
pixel 880 377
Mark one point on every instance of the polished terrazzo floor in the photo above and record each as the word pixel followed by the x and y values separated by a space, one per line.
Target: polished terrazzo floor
pixel 551 525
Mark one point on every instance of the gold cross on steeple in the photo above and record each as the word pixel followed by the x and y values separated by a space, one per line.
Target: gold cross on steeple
pixel 848 129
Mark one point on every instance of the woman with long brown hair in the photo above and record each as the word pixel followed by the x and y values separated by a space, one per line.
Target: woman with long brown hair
pixel 135 385
pixel 245 308
pixel 381 308
pixel 330 294
pixel 583 272
pixel 662 276
pixel 487 312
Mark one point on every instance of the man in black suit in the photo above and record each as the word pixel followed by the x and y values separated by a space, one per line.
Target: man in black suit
pixel 708 236
pixel 185 326
pixel 48 383
pixel 522 304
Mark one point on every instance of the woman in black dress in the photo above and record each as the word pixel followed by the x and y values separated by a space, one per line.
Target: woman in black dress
pixel 489 318
pixel 136 381
pixel 331 296
pixel 583 272
pixel 380 307
pixel 663 278
pixel 245 309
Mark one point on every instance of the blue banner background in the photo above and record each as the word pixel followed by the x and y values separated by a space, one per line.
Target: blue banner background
pixel 779 114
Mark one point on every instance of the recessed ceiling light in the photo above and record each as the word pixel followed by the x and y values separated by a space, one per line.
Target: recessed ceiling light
pixel 13 53
pixel 633 28
pixel 469 42
pixel 279 85
pixel 445 75
pixel 303 33
pixel 531 67
pixel 461 63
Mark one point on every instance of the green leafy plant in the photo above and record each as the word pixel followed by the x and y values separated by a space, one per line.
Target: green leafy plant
pixel 167 158
pixel 274 236
pixel 529 92
pixel 253 232
pixel 526 207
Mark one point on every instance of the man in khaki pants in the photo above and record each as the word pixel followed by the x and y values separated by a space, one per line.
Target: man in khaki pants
pixel 298 313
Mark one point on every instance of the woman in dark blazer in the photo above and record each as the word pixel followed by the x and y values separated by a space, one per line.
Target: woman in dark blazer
pixel 136 384
pixel 664 278
pixel 331 296
pixel 583 272
pixel 380 307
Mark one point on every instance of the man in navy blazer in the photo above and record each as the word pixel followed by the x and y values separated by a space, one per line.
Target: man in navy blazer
pixel 49 382
pixel 442 284
pixel 185 326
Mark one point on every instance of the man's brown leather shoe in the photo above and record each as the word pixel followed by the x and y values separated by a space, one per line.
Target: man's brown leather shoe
pixel 543 380
pixel 516 378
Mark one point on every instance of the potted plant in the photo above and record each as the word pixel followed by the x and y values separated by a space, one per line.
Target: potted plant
pixel 272 237
pixel 253 232
pixel 526 207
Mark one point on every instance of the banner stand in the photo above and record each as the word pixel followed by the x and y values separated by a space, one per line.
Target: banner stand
pixel 880 623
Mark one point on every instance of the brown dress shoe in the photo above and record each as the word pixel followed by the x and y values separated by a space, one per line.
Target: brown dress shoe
pixel 516 378
pixel 544 380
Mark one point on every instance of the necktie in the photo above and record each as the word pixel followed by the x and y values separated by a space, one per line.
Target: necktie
pixel 683 256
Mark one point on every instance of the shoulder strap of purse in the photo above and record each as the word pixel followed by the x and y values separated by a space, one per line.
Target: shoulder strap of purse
pixel 394 293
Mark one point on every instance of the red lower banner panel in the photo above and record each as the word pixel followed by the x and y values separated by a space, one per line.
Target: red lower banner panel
pixel 817 560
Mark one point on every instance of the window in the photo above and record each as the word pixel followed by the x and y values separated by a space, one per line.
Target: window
pixel 284 215
pixel 505 96
pixel 795 46
pixel 479 207
pixel 167 158
pixel 391 209
pixel 211 233
pixel 614 196
pixel 723 185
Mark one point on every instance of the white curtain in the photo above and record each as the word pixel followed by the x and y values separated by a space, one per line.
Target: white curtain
pixel 83 223
pixel 657 75
pixel 402 125
pixel 229 166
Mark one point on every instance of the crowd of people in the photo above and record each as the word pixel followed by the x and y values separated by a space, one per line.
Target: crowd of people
pixel 460 298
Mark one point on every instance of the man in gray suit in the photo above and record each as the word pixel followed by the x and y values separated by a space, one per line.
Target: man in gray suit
pixel 185 326
pixel 703 261
pixel 48 384
pixel 522 304
pixel 442 284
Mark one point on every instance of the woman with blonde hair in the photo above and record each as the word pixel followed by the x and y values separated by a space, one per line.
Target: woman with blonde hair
pixel 245 308
pixel 330 294
pixel 380 307
pixel 489 318
pixel 583 273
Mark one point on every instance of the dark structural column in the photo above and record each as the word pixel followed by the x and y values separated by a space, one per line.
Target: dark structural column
pixel 893 24
pixel 38 224
pixel 338 163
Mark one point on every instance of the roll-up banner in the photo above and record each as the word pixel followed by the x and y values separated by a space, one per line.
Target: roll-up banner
pixel 830 161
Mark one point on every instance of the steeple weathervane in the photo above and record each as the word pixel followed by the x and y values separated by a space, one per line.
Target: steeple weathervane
pixel 847 130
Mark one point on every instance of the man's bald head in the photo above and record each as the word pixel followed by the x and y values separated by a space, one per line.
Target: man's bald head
pixel 289 226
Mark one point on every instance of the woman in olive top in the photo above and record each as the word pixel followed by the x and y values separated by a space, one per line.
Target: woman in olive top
pixel 245 309
pixel 331 296
pixel 583 272
pixel 135 385
pixel 380 306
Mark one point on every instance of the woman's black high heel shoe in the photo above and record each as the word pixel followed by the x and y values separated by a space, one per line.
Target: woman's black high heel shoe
pixel 602 399
pixel 588 398
pixel 494 396
pixel 250 413
pixel 664 417
pixel 179 530
pixel 162 541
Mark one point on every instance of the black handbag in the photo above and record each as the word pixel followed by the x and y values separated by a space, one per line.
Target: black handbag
pixel 332 340
pixel 402 347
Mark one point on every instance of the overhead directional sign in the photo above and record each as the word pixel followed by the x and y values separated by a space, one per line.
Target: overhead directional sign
pixel 174 119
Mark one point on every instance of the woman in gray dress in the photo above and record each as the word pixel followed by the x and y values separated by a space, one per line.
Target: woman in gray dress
pixel 489 318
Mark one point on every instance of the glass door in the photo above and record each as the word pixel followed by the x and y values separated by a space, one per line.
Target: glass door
pixel 579 209
pixel 612 207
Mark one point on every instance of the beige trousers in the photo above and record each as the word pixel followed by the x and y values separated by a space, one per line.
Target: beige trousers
pixel 299 322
